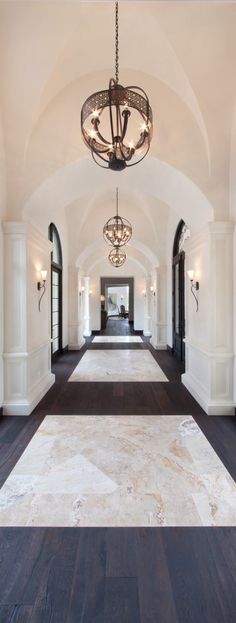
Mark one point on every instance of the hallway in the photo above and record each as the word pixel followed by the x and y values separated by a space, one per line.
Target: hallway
pixel 105 574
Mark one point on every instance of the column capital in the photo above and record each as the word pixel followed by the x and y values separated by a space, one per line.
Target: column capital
pixel 221 227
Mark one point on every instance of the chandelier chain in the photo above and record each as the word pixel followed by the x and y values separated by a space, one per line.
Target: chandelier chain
pixel 117 202
pixel 117 45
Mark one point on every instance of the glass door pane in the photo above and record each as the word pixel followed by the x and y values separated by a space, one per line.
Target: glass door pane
pixel 55 311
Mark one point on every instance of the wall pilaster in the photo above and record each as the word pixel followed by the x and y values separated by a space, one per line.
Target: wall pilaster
pixel 209 331
pixel 27 340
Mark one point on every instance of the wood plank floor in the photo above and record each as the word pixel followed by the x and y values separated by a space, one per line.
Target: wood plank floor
pixel 114 575
pixel 111 575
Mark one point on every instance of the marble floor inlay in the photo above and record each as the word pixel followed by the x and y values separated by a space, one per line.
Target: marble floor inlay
pixel 118 365
pixel 118 471
pixel 126 339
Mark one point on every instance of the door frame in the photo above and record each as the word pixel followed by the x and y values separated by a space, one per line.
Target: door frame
pixel 120 281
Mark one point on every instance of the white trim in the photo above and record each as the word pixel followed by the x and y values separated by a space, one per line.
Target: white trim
pixel 198 392
pixel 217 354
pixel 77 346
pixel 25 407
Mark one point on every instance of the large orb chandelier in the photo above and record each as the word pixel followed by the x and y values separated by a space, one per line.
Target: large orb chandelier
pixel 117 231
pixel 117 257
pixel 125 110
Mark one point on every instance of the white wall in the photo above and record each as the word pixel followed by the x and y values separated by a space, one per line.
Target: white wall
pixel 172 226
pixel 27 340
pixel 41 220
pixel 2 212
pixel 209 331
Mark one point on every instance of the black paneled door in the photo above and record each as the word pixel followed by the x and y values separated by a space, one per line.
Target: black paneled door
pixel 56 311
pixel 178 306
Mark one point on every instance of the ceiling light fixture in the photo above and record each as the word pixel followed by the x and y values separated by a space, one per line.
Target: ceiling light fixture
pixel 117 231
pixel 116 107
pixel 117 257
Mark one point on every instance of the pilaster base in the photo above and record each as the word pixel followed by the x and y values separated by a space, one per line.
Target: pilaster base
pixel 211 407
pixel 158 345
pixel 77 346
pixel 26 406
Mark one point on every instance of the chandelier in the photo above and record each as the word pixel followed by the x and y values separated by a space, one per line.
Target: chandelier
pixel 117 231
pixel 123 110
pixel 117 257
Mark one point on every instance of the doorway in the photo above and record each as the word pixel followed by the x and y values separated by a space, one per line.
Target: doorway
pixel 56 291
pixel 178 290
pixel 117 312
pixel 117 301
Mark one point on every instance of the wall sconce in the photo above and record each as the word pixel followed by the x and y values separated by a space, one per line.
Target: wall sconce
pixel 81 291
pixel 152 290
pixel 41 285
pixel 194 285
pixel 144 293
pixel 102 299
pixel 90 292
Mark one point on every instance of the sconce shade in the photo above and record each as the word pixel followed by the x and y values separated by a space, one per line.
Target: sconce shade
pixel 191 274
pixel 102 298
pixel 44 274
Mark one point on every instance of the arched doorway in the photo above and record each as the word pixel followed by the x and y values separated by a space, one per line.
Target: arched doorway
pixel 182 234
pixel 56 291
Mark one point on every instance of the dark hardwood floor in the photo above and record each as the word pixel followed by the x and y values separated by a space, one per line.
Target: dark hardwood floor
pixel 117 575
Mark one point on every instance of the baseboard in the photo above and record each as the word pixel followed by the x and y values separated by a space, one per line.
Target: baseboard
pixel 25 407
pixel 158 346
pixel 77 346
pixel 147 334
pixel 65 349
pixel 210 407
pixel 169 348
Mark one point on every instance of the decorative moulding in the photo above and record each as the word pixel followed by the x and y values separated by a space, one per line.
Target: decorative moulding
pixel 27 405
pixel 26 229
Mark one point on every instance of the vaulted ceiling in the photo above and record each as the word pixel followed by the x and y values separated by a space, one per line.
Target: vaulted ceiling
pixel 54 54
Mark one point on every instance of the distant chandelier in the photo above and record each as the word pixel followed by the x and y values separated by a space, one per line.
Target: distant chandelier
pixel 117 231
pixel 117 257
pixel 119 108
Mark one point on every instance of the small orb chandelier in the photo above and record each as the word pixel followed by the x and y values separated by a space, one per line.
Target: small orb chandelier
pixel 117 257
pixel 116 107
pixel 117 231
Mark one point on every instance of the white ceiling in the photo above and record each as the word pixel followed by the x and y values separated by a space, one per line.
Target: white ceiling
pixel 54 54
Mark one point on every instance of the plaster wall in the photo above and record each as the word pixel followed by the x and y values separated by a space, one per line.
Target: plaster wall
pixel 27 338
pixel 41 220
pixel 209 331
pixel 172 226
pixel 2 212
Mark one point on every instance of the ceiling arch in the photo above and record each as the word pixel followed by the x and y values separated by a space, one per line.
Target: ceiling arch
pixel 132 260
pixel 158 58
pixel 155 178
pixel 96 250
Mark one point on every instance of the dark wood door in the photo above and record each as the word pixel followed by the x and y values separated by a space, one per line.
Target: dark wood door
pixel 178 306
